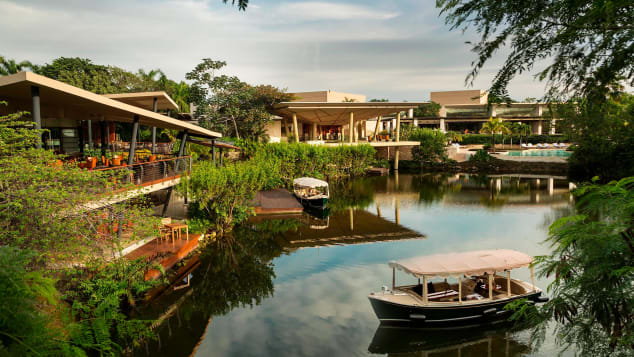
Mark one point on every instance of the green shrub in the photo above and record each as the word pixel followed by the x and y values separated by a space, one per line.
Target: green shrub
pixel 221 194
pixel 480 156
pixel 432 145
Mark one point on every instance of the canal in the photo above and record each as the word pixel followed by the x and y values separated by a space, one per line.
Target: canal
pixel 298 285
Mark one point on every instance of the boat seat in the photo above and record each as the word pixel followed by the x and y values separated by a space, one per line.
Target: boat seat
pixel 468 287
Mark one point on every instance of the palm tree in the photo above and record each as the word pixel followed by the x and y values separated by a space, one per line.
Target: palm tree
pixel 349 100
pixel 180 94
pixel 9 66
pixel 149 78
pixel 494 126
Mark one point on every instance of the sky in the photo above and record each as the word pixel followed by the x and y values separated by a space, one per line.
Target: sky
pixel 400 50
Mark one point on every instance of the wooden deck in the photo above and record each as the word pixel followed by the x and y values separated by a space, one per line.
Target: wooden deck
pixel 165 252
pixel 278 201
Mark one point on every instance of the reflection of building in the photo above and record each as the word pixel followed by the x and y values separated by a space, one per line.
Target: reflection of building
pixel 463 189
pixel 348 227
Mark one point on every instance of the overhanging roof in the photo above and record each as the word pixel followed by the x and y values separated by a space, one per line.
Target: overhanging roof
pixel 58 98
pixel 145 100
pixel 338 113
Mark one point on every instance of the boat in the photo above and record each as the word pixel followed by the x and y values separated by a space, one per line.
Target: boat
pixel 477 297
pixel 311 192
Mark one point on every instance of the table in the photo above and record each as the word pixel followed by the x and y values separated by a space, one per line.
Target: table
pixel 177 227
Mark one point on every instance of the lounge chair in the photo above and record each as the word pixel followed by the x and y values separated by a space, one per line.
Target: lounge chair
pixel 524 146
pixel 530 145
pixel 547 145
pixel 540 145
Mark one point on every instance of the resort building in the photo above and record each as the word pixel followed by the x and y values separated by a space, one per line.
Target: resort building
pixel 103 130
pixel 468 110
pixel 334 118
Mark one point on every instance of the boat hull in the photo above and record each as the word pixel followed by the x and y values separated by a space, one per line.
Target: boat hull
pixel 316 203
pixel 480 313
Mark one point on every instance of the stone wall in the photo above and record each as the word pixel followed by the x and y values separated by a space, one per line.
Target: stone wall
pixel 405 152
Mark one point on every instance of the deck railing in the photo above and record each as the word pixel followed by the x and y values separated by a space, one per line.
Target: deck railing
pixel 148 173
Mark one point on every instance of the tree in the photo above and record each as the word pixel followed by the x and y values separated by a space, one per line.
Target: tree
pixel 16 134
pixel 349 100
pixel 10 66
pixel 427 110
pixel 227 104
pixel 592 265
pixel 589 43
pixel 242 4
pixel 376 100
pixel 494 126
pixel 431 148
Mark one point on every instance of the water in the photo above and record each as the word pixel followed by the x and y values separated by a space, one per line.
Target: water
pixel 298 287
pixel 541 152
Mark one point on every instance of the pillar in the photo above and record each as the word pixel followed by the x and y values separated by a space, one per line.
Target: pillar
pixel 285 128
pixel 314 134
pixel 220 156
pixel 154 109
pixel 37 117
pixel 442 126
pixel 398 138
pixel 295 129
pixel 351 127
pixel 135 131
pixel 104 136
pixel 80 130
pixel 410 113
pixel 376 128
pixel 213 151
pixel 90 135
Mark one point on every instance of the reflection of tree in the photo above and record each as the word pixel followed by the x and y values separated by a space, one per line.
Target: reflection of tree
pixel 358 193
pixel 493 202
pixel 432 188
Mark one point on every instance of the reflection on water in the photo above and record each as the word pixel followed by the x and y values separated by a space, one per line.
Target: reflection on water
pixel 298 285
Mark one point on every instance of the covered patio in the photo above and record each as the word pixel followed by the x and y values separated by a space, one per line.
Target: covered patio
pixel 347 121
pixel 74 113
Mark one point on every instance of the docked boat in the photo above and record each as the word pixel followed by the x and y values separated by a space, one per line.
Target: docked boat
pixel 311 192
pixel 481 287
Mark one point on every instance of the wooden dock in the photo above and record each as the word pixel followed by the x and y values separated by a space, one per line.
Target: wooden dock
pixel 166 252
pixel 278 201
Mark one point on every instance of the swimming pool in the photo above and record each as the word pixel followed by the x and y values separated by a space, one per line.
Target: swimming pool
pixel 540 152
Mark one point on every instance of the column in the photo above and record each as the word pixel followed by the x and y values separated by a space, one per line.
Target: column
pixel 135 131
pixel 154 109
pixel 398 138
pixel 376 128
pixel 295 129
pixel 90 135
pixel 104 138
pixel 37 117
pixel 410 113
pixel 442 126
pixel 351 128
pixel 314 134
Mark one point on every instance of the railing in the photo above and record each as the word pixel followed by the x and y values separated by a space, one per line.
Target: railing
pixel 147 173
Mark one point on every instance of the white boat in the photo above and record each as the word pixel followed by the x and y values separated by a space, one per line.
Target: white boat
pixel 478 296
pixel 311 192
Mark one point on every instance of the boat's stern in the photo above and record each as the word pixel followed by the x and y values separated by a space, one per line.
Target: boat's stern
pixel 393 306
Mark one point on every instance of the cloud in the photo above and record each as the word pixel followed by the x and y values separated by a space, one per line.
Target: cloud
pixel 358 46
pixel 316 11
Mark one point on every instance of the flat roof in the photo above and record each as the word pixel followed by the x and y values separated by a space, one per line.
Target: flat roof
pixel 145 100
pixel 339 113
pixel 59 99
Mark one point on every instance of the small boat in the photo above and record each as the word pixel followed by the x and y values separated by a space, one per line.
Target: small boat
pixel 311 192
pixel 478 295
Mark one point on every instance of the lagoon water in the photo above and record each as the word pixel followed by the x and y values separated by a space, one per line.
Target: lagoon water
pixel 298 286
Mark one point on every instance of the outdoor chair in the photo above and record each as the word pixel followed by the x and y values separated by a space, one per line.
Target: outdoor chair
pixel 165 231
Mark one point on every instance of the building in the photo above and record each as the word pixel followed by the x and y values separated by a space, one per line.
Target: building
pixel 80 123
pixel 467 110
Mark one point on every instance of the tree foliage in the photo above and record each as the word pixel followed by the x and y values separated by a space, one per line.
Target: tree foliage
pixel 593 269
pixel 590 44
pixel 495 126
pixel 226 104
pixel 432 145
pixel 427 110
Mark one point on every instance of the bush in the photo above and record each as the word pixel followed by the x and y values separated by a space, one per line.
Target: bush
pixel 432 145
pixel 480 156
pixel 221 194
pixel 293 160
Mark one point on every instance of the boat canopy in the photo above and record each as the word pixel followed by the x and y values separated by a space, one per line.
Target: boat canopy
pixel 467 263
pixel 310 182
